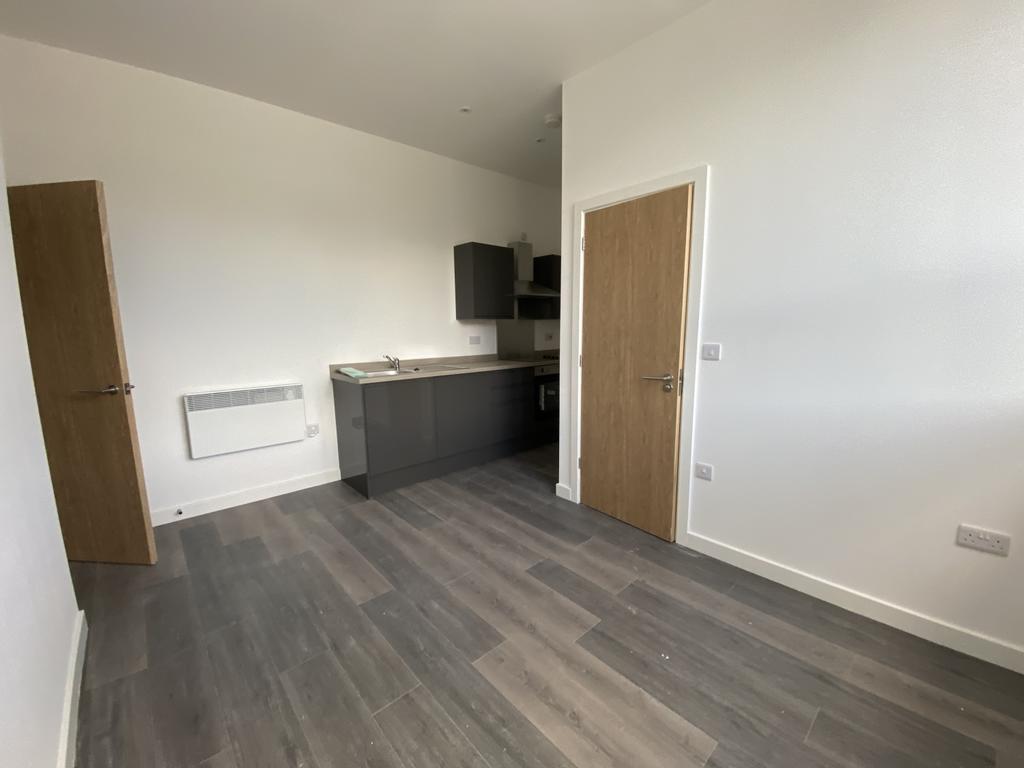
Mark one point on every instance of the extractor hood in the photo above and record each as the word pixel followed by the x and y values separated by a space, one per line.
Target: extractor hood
pixel 527 288
pixel 524 285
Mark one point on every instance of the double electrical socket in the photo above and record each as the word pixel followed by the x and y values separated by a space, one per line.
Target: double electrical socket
pixel 983 539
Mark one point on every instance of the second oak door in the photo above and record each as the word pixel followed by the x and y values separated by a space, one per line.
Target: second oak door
pixel 635 269
pixel 73 326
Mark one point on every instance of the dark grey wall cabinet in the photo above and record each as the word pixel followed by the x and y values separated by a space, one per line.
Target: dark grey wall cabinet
pixel 392 434
pixel 547 271
pixel 484 279
pixel 539 307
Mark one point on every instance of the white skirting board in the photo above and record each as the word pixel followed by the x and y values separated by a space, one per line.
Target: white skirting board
pixel 928 627
pixel 66 748
pixel 563 491
pixel 245 496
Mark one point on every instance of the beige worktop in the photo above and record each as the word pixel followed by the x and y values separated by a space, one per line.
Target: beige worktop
pixel 472 364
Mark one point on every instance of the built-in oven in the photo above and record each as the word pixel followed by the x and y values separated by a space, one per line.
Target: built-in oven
pixel 545 389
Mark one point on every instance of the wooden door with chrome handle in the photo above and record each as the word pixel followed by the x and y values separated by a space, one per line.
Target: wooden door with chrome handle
pixel 635 270
pixel 73 327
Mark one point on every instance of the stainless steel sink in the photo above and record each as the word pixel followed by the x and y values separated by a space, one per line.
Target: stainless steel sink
pixel 430 368
pixel 389 372
pixel 439 367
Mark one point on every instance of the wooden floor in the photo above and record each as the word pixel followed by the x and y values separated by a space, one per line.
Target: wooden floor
pixel 478 621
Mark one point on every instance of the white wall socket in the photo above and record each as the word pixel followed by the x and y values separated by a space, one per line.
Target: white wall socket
pixel 983 539
pixel 312 430
pixel 704 471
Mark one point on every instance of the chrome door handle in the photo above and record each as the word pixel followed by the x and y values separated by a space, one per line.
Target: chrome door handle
pixel 665 378
pixel 128 387
pixel 113 389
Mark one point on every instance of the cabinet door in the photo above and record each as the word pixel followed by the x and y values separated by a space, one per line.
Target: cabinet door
pixel 484 282
pixel 477 410
pixel 547 271
pixel 400 426
pixel 493 282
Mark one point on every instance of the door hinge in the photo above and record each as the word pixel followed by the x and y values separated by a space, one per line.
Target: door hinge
pixel 581 361
pixel 579 462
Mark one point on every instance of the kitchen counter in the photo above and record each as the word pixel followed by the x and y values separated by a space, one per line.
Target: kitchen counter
pixel 432 367
pixel 435 421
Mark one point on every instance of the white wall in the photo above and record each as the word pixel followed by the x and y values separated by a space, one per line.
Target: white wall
pixel 865 274
pixel 253 245
pixel 38 614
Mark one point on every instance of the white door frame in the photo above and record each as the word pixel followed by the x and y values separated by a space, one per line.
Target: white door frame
pixel 699 177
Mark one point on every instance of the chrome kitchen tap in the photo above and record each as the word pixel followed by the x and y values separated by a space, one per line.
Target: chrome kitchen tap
pixel 395 362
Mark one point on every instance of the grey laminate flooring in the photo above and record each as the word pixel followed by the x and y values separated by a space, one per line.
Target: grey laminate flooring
pixel 476 620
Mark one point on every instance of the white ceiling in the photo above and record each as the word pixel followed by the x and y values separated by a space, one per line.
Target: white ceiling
pixel 397 68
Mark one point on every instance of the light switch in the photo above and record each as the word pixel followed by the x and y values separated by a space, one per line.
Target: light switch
pixel 711 352
pixel 704 471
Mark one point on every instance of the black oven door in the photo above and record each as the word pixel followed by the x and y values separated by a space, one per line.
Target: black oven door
pixel 546 392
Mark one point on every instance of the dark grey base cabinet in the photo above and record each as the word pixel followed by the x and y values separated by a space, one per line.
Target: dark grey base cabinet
pixel 392 434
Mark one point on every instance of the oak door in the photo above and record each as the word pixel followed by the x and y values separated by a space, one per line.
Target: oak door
pixel 635 269
pixel 82 385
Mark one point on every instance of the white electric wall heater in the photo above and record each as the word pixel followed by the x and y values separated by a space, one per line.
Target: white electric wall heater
pixel 239 419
